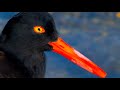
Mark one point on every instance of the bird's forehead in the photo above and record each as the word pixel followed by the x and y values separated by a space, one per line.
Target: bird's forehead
pixel 37 17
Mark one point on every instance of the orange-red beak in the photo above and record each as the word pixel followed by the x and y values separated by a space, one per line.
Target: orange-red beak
pixel 61 47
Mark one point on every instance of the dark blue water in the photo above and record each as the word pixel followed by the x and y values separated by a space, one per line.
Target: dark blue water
pixel 95 34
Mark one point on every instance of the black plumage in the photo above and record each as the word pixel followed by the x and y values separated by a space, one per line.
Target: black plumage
pixel 21 49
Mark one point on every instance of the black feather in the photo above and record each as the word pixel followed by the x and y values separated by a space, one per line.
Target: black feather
pixel 24 49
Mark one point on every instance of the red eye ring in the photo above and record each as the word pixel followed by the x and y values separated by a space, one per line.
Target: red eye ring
pixel 39 29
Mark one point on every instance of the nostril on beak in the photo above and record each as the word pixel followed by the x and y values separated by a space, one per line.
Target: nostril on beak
pixel 61 46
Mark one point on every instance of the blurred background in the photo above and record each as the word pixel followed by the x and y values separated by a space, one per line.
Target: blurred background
pixel 94 34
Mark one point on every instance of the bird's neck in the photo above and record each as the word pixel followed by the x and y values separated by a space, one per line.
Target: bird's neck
pixel 32 60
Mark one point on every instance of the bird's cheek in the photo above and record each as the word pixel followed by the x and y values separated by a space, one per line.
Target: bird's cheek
pixel 45 48
pixel 53 36
pixel 48 47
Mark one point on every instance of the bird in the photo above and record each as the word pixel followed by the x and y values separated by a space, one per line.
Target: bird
pixel 23 41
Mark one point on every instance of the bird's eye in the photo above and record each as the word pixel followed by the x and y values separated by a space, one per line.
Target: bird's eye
pixel 39 29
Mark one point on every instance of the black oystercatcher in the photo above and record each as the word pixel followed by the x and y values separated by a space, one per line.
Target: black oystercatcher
pixel 22 44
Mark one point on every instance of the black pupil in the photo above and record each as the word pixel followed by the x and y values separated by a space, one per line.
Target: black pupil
pixel 39 29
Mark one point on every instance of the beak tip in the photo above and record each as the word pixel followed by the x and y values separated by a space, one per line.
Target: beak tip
pixel 105 74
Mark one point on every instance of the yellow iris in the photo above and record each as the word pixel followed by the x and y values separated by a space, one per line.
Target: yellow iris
pixel 39 29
